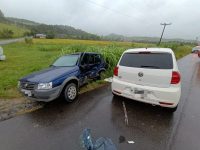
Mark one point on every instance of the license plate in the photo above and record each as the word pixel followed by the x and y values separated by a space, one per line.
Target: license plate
pixel 27 92
pixel 139 91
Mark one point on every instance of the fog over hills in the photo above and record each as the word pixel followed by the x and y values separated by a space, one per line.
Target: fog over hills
pixel 65 31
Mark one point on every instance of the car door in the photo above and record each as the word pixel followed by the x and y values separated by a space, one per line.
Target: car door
pixel 92 66
pixel 84 69
pixel 98 64
pixel 89 67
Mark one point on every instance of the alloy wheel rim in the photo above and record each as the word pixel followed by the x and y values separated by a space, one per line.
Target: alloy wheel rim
pixel 71 93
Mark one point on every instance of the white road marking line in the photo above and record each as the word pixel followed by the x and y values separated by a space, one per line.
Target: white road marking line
pixel 125 113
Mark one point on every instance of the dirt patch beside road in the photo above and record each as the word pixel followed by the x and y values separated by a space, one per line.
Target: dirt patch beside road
pixel 14 107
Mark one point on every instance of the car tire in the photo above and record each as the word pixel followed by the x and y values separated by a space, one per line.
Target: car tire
pixel 70 92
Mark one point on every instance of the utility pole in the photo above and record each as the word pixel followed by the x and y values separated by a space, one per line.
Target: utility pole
pixel 197 40
pixel 163 24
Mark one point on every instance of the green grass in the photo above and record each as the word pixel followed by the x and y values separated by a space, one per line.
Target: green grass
pixel 23 59
pixel 18 31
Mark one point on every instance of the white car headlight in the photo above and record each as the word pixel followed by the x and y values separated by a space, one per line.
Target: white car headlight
pixel 45 86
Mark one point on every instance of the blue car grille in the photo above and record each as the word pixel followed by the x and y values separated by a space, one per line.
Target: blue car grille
pixel 28 85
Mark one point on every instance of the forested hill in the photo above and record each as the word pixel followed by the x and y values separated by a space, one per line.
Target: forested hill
pixel 63 31
pixel 52 31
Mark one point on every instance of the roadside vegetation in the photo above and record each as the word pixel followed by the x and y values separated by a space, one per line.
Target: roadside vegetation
pixel 11 31
pixel 26 57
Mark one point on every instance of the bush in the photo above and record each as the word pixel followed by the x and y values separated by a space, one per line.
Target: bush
pixel 6 33
pixel 110 53
pixel 27 33
pixel 49 48
pixel 29 40
pixel 171 45
pixel 50 36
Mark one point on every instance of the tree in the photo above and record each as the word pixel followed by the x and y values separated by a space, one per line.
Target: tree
pixel 2 18
pixel 1 14
pixel 50 35
pixel 29 40
pixel 61 31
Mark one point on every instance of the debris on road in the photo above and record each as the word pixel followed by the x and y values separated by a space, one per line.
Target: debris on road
pixel 108 79
pixel 125 113
pixel 99 144
pixel 131 142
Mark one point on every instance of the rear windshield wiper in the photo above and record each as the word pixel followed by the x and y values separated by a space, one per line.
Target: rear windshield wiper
pixel 150 67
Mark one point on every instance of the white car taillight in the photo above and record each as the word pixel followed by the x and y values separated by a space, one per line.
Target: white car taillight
pixel 176 77
pixel 115 72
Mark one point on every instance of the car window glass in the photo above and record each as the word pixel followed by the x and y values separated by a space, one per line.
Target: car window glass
pixel 68 60
pixel 97 59
pixel 85 59
pixel 150 60
pixel 91 59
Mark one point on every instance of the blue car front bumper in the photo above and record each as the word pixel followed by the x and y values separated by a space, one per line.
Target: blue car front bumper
pixel 42 95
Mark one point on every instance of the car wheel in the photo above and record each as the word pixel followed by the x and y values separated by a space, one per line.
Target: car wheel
pixel 70 92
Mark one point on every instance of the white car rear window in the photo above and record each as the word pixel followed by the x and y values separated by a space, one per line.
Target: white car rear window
pixel 147 60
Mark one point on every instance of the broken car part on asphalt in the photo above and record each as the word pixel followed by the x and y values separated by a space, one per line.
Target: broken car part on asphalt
pixel 99 144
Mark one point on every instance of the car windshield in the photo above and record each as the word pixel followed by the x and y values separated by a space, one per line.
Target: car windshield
pixel 151 60
pixel 66 61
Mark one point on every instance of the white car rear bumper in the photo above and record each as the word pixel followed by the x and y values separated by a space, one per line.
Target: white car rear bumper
pixel 165 97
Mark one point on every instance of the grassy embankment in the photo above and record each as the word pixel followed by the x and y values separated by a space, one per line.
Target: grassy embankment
pixel 18 31
pixel 23 59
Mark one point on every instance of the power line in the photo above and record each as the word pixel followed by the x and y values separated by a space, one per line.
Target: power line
pixel 115 11
pixel 163 24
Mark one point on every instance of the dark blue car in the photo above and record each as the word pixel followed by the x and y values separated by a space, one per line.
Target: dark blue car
pixel 63 77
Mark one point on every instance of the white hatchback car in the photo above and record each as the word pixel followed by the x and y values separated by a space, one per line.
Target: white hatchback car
pixel 148 75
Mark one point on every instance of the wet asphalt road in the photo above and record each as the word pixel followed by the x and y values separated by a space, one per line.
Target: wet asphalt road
pixel 58 125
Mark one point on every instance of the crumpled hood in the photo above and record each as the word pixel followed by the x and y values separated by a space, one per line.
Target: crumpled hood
pixel 49 74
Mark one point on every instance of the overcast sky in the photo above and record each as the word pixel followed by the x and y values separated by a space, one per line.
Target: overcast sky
pixel 126 17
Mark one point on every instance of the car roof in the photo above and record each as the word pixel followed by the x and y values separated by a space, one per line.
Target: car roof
pixel 168 50
pixel 91 53
pixel 81 53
